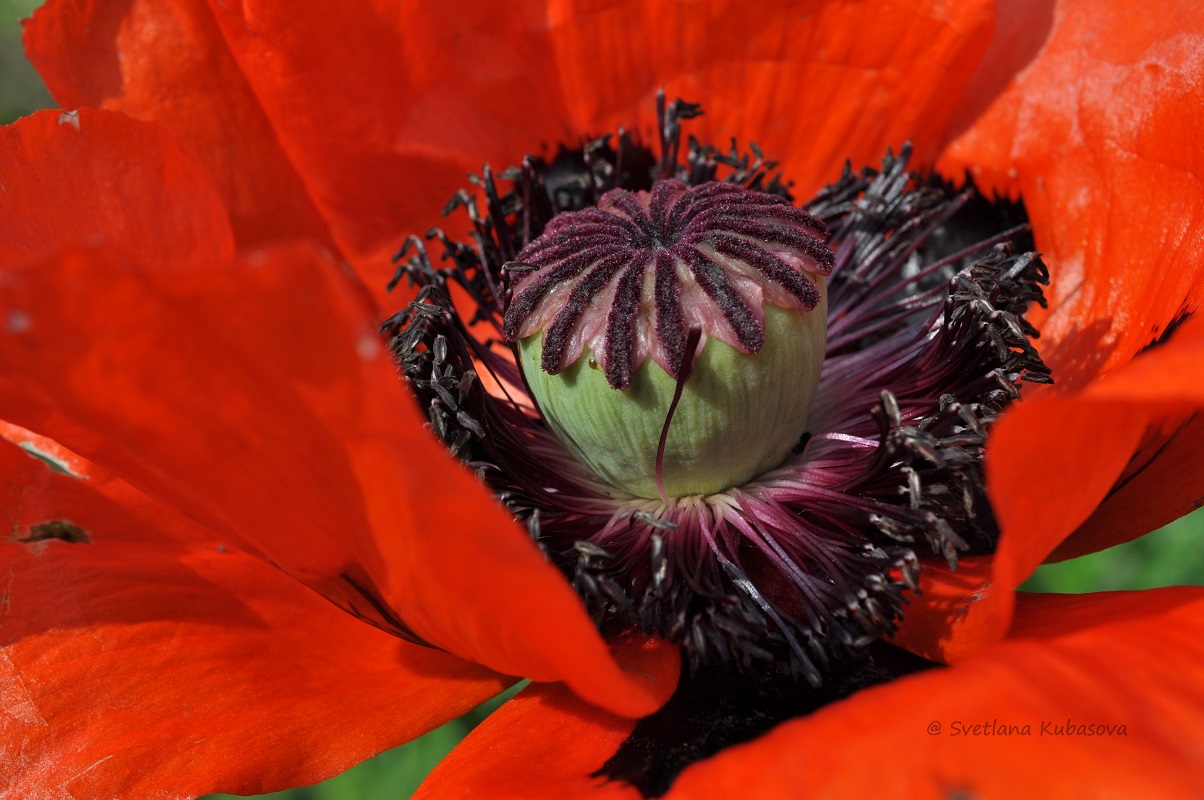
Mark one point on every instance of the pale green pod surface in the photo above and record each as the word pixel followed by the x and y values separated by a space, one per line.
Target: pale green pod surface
pixel 739 416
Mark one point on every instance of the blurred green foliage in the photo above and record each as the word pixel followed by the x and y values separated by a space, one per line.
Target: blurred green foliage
pixel 21 90
pixel 1168 557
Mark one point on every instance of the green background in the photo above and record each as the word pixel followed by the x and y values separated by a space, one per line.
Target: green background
pixel 1171 556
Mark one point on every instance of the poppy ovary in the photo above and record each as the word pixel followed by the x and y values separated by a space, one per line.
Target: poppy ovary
pixel 674 339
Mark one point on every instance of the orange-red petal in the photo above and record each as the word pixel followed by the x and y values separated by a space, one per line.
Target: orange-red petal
pixel 385 107
pixel 1098 136
pixel 813 84
pixel 1126 659
pixel 545 744
pixel 377 113
pixel 1054 459
pixel 382 108
pixel 937 623
pixel 152 661
pixel 1165 477
pixel 165 60
pixel 1162 482
pixel 100 179
pixel 257 398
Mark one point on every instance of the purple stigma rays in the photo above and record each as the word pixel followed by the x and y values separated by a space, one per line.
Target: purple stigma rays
pixel 627 279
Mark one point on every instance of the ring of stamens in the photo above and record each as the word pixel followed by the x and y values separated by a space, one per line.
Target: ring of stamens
pixel 810 562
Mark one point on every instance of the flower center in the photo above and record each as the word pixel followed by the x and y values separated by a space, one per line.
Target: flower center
pixel 603 307
pixel 679 282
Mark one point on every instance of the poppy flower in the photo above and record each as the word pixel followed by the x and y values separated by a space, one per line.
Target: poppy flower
pixel 178 315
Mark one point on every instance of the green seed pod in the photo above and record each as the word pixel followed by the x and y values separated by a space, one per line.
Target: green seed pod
pixel 739 414
pixel 605 306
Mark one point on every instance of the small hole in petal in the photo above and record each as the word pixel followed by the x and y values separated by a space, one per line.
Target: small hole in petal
pixel 70 118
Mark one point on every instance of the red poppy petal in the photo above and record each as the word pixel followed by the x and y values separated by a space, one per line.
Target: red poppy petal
pixel 813 85
pixel 385 129
pixel 937 623
pixel 385 110
pixel 1090 438
pixel 135 664
pixel 542 745
pixel 165 60
pixel 70 180
pixel 1162 482
pixel 1031 453
pixel 257 398
pixel 545 743
pixel 1165 477
pixel 1098 135
pixel 1022 27
pixel 1131 659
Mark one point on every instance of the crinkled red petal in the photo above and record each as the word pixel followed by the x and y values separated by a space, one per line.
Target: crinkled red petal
pixel 385 110
pixel 1094 695
pixel 812 85
pixel 257 398
pixel 1088 438
pixel 382 111
pixel 140 657
pixel 545 744
pixel 1098 135
pixel 100 179
pixel 165 60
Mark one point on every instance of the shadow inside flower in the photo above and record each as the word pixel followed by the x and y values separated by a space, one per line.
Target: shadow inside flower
pixel 1087 348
